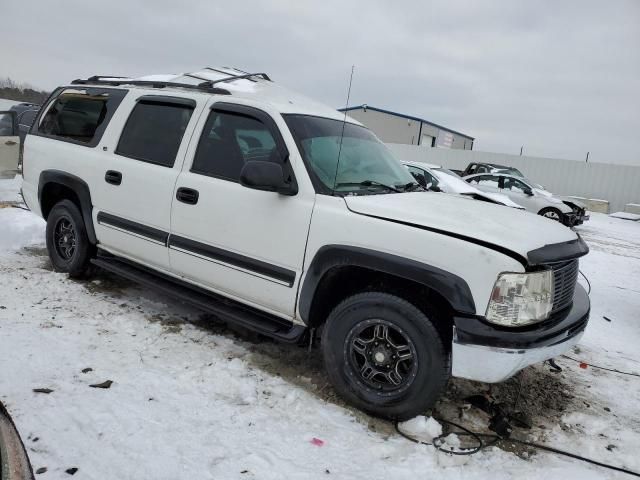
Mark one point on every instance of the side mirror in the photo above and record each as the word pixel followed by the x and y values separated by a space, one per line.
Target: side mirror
pixel 266 176
pixel 435 188
pixel 528 191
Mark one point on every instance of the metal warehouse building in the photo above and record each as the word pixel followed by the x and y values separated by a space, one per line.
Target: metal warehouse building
pixel 393 127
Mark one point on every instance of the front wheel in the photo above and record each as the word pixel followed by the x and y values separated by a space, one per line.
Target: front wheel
pixel 384 355
pixel 551 213
pixel 67 242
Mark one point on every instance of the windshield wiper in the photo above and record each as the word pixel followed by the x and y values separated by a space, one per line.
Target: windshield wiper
pixel 368 183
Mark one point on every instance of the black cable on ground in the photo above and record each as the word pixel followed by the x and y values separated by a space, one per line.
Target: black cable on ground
pixel 588 282
pixel 496 439
pixel 573 455
pixel 603 368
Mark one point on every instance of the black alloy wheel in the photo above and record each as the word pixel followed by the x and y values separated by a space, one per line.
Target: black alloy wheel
pixel 68 244
pixel 381 355
pixel 384 355
pixel 65 238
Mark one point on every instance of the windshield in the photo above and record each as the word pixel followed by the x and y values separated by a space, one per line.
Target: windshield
pixel 366 165
pixel 447 171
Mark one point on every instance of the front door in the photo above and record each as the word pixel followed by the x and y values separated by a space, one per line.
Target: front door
pixel 517 191
pixel 9 144
pixel 242 243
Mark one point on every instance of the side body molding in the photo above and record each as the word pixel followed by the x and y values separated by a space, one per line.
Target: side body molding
pixel 79 187
pixel 453 288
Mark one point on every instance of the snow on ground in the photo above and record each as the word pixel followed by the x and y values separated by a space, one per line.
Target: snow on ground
pixel 7 104
pixel 193 399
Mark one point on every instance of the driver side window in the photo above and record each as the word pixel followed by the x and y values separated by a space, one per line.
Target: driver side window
pixel 516 186
pixel 228 141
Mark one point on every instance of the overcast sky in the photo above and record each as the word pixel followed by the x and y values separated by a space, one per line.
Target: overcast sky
pixel 559 77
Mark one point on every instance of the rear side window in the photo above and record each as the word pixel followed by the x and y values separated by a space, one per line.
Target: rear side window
pixel 79 115
pixel 154 131
pixel 485 181
pixel 228 141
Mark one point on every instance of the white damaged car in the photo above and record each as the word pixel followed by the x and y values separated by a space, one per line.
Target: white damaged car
pixel 438 179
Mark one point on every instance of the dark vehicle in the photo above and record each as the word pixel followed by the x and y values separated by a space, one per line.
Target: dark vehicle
pixel 26 114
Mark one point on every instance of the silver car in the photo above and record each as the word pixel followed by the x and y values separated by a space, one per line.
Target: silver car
pixel 525 193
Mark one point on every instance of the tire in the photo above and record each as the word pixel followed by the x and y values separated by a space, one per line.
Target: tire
pixel 67 242
pixel 551 213
pixel 351 352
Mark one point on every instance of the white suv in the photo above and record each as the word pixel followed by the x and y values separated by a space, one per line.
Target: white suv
pixel 280 214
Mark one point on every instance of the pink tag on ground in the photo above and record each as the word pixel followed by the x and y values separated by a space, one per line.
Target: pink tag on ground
pixel 317 442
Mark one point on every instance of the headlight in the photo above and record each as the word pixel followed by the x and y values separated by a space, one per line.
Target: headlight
pixel 520 299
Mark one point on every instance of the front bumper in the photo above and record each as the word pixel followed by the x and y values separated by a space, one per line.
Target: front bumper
pixel 569 219
pixel 488 353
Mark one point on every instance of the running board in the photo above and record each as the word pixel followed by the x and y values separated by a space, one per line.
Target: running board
pixel 227 309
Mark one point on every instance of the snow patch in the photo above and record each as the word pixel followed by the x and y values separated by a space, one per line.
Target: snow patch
pixel 626 216
pixel 421 428
pixel 19 228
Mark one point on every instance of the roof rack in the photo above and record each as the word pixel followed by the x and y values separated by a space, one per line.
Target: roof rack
pixel 206 85
pixel 203 87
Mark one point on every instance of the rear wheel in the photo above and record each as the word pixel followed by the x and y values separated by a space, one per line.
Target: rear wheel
pixel 551 213
pixel 67 242
pixel 384 355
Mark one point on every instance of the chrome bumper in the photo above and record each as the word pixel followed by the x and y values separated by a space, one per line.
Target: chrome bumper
pixel 492 365
pixel 483 352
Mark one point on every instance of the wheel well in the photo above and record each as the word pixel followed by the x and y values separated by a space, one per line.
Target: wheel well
pixel 542 210
pixel 52 193
pixel 344 281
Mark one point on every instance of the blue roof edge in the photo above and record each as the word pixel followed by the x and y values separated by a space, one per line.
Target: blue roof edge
pixel 418 119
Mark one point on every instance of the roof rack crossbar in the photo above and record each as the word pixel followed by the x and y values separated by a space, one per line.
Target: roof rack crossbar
pixel 204 86
pixel 99 77
pixel 197 77
pixel 227 73
pixel 230 78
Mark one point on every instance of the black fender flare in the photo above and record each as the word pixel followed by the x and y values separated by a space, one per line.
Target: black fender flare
pixel 79 187
pixel 452 287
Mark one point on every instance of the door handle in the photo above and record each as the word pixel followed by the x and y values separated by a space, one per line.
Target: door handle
pixel 10 142
pixel 187 195
pixel 113 177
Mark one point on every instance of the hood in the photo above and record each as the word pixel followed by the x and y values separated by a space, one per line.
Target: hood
pixel 498 198
pixel 577 203
pixel 497 227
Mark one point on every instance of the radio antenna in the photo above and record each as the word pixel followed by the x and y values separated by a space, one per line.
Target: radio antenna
pixel 344 121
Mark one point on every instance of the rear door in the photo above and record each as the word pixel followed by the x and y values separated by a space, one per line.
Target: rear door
pixel 243 243
pixel 132 188
pixel 9 144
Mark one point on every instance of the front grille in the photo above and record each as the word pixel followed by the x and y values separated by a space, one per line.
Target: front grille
pixel 565 276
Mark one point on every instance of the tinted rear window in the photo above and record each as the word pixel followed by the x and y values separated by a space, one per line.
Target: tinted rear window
pixel 80 116
pixel 154 131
